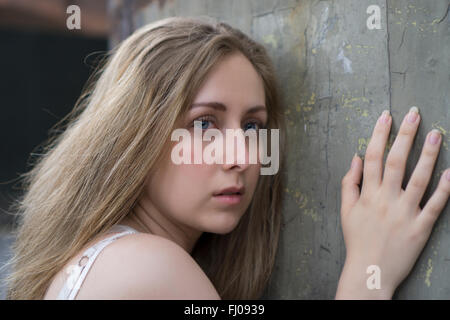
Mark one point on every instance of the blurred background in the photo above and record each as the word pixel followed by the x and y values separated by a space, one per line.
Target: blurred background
pixel 44 66
pixel 336 76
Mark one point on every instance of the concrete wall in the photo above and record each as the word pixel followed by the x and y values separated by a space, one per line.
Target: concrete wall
pixel 337 78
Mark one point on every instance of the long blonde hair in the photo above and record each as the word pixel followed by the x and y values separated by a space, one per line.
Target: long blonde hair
pixel 93 170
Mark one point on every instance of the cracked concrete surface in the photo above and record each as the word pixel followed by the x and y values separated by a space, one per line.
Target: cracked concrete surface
pixel 331 113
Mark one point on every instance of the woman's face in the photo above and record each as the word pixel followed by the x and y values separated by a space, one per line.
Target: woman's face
pixel 184 193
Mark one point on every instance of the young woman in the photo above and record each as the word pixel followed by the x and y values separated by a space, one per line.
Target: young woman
pixel 108 215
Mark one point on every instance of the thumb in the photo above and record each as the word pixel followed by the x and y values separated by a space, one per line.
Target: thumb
pixel 350 185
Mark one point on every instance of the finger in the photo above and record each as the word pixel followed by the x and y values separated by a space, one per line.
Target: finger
pixel 398 155
pixel 422 173
pixel 350 185
pixel 437 202
pixel 373 160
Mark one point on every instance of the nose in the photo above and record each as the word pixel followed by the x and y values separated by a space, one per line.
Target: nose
pixel 236 154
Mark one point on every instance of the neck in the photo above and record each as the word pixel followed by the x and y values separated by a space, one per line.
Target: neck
pixel 145 218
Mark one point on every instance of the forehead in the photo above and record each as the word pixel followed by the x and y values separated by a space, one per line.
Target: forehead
pixel 233 81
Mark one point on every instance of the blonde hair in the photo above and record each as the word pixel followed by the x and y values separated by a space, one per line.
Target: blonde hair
pixel 91 174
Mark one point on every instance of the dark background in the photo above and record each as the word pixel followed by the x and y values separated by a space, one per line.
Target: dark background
pixel 44 67
pixel 42 75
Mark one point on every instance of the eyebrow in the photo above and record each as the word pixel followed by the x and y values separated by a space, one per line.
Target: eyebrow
pixel 221 107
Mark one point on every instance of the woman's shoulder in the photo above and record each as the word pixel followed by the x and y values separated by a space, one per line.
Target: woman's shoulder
pixel 145 266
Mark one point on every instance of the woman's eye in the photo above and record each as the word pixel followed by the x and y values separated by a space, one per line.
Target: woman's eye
pixel 203 123
pixel 257 123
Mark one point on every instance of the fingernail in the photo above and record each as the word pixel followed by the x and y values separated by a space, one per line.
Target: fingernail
pixel 447 175
pixel 385 116
pixel 413 114
pixel 434 136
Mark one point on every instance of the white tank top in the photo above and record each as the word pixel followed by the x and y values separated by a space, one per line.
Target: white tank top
pixel 77 272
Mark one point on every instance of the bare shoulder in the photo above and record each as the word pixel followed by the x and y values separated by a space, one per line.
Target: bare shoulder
pixel 144 266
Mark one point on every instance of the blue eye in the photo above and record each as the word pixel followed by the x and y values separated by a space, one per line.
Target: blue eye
pixel 255 125
pixel 203 121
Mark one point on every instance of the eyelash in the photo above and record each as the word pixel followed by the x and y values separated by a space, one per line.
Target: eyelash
pixel 210 118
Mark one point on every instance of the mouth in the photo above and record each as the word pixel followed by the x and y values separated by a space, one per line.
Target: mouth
pixel 234 190
pixel 230 195
pixel 229 198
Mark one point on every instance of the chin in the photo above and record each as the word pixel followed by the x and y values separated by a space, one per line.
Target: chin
pixel 223 224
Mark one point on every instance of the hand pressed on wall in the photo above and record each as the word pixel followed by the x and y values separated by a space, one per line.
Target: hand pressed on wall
pixel 383 225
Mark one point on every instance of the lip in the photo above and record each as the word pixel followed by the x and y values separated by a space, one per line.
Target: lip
pixel 232 189
pixel 229 199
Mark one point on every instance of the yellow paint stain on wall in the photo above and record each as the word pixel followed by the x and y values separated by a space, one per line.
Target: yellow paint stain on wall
pixel 302 200
pixel 307 108
pixel 314 51
pixel 348 101
pixel 362 143
pixel 270 39
pixel 428 273
pixel 312 99
pixel 349 46
pixel 435 21
pixel 312 213
pixel 303 203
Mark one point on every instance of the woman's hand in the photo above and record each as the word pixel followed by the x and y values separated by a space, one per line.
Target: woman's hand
pixel 384 224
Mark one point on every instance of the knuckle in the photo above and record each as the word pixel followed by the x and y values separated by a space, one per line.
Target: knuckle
pixel 427 220
pixel 433 209
pixel 406 131
pixel 420 232
pixel 372 156
pixel 394 163
pixel 429 152
pixel 418 183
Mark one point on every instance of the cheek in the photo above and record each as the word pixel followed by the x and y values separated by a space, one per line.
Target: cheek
pixel 186 184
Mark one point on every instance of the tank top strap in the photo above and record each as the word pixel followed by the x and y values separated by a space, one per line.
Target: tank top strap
pixel 77 272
